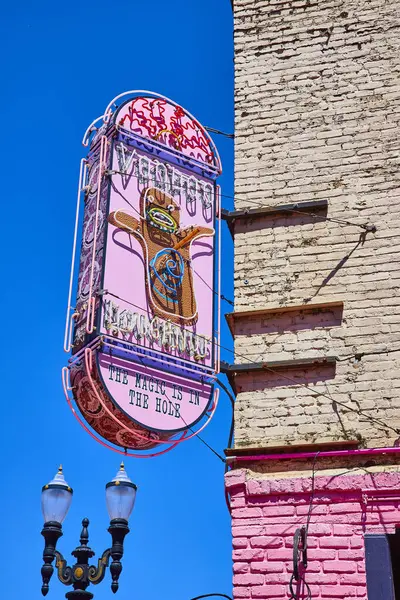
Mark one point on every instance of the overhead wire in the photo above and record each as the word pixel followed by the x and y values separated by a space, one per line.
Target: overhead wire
pixel 219 132
pixel 310 508
pixel 226 390
pixel 359 355
pixel 232 303
pixel 230 440
pixel 221 458
pixel 204 442
pixel 312 215
pixel 321 394
pixel 334 402
pixel 220 383
pixel 231 433
pixel 301 535
pixel 346 407
pixel 222 296
pixel 190 429
pixel 364 226
pixel 286 377
pixel 291 210
pixel 257 204
pixel 293 381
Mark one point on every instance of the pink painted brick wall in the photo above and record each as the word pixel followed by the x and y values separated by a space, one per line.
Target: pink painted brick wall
pixel 266 513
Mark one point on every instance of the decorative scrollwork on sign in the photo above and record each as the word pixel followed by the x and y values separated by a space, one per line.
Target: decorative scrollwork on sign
pixel 95 211
pixel 104 416
pixel 93 178
pixel 89 229
pixel 84 283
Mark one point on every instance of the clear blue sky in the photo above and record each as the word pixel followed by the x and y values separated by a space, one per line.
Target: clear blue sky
pixel 62 63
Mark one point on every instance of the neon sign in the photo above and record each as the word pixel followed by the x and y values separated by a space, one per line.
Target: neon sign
pixel 144 329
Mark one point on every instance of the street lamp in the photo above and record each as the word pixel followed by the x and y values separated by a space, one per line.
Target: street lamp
pixel 56 500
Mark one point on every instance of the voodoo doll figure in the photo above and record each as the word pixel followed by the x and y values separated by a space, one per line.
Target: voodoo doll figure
pixel 166 250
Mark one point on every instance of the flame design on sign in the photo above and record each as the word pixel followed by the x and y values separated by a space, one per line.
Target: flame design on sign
pixel 156 119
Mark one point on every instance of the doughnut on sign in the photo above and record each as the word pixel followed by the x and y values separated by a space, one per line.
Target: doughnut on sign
pixel 143 331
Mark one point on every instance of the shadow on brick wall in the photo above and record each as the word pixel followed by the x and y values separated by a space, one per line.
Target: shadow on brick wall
pixel 250 382
pixel 295 320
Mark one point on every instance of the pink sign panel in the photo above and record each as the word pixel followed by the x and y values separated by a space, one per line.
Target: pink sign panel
pixel 155 399
pixel 159 264
pixel 144 327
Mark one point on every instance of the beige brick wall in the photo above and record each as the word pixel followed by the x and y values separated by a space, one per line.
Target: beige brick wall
pixel 317 117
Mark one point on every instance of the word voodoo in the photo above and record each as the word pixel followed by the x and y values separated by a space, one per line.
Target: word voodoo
pixel 165 177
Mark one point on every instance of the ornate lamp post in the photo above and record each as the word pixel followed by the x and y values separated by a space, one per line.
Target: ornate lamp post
pixel 56 500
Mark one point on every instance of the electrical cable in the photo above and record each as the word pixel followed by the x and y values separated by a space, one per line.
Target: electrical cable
pixel 310 508
pixel 317 394
pixel 301 538
pixel 222 296
pixel 321 394
pixel 218 132
pixel 190 429
pixel 363 226
pixel 214 291
pixel 230 439
pixel 359 411
pixel 359 355
pixel 228 393
pixel 290 379
pixel 304 386
pixel 341 221
pixel 220 383
pixel 297 578
pixel 221 458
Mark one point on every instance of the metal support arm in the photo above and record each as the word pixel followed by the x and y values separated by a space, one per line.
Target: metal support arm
pixel 96 574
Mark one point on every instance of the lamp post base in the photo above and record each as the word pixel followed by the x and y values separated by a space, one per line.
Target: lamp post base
pixel 79 595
